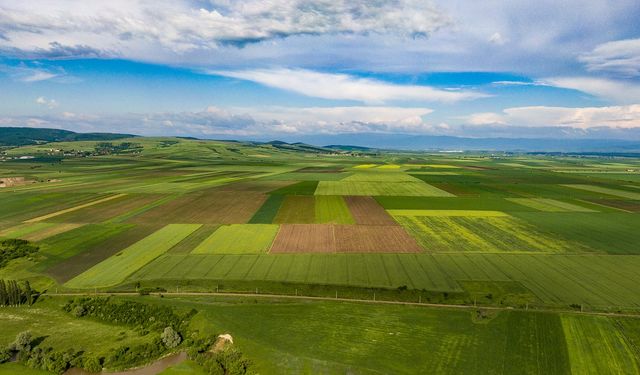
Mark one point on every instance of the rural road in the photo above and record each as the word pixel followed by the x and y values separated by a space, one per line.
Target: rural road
pixel 352 300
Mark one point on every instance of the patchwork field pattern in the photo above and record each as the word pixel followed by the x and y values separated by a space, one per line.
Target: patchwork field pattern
pixel 239 239
pixel 473 233
pixel 118 267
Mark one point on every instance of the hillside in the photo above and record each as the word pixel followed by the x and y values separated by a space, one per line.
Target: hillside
pixel 15 136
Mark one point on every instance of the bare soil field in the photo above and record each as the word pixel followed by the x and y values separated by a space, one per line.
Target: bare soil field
pixel 206 208
pixel 328 238
pixel 366 211
pixel 374 239
pixel 304 238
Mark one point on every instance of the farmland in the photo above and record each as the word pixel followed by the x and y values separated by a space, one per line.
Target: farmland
pixel 545 236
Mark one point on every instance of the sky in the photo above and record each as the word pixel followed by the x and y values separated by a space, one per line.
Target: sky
pixel 282 69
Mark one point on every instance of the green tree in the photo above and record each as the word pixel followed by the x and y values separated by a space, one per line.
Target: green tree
pixel 170 337
pixel 4 297
pixel 23 341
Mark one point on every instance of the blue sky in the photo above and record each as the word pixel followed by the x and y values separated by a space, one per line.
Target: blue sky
pixel 251 69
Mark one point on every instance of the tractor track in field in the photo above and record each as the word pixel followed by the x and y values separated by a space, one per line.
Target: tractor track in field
pixel 339 299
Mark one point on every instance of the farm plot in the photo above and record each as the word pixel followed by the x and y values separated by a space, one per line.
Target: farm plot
pixel 24 229
pixel 117 238
pixel 300 188
pixel 268 211
pixel 366 211
pixel 557 280
pixel 50 231
pixel 381 176
pixel 485 234
pixel 448 213
pixel 301 238
pixel 239 239
pixel 549 205
pixel 629 206
pixel 296 209
pixel 373 239
pixel 343 239
pixel 194 239
pixel 218 208
pixel 332 209
pixel 66 245
pixel 67 210
pixel 373 188
pixel 596 347
pixel 118 267
pixel 109 209
pixel 607 191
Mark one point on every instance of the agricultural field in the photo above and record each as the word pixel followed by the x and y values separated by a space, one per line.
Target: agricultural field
pixel 543 240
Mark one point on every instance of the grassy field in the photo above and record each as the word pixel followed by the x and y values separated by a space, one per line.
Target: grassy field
pixel 238 239
pixel 116 268
pixel 548 232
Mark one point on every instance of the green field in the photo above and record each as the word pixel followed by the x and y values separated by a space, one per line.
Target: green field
pixel 543 239
pixel 238 239
pixel 116 268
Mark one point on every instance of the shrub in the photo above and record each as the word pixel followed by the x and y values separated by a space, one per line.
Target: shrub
pixel 170 337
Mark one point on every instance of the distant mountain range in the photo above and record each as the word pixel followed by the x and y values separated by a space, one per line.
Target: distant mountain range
pixel 15 136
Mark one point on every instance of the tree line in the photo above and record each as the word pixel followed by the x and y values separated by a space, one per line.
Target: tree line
pixel 13 293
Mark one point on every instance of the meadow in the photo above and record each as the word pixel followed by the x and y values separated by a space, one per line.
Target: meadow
pixel 530 232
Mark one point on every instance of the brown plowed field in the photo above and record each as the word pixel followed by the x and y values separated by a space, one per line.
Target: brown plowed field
pixel 203 208
pixel 327 238
pixel 304 238
pixel 374 239
pixel 366 211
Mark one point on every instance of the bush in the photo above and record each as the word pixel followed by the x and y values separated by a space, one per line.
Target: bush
pixel 22 342
pixel 170 338
pixel 92 364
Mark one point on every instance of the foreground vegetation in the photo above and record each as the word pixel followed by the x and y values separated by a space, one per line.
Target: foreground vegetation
pixel 550 236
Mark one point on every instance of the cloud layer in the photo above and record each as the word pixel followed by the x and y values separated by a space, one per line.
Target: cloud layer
pixel 345 87
pixel 68 28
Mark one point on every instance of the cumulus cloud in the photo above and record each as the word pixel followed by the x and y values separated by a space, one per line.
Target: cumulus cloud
pixel 613 90
pixel 618 117
pixel 49 103
pixel 122 25
pixel 620 57
pixel 346 87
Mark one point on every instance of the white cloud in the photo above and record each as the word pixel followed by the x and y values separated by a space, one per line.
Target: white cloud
pixel 24 73
pixel 497 38
pixel 346 87
pixel 621 57
pixel 124 25
pixel 618 91
pixel 49 103
pixel 619 117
